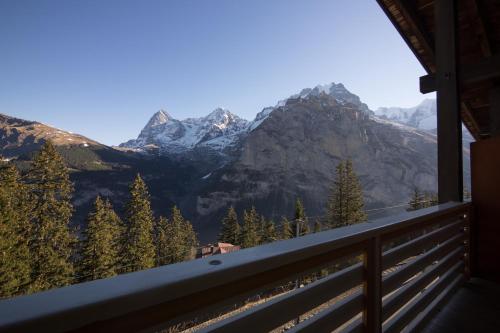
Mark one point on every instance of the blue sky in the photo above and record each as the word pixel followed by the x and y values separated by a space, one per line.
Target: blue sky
pixel 102 68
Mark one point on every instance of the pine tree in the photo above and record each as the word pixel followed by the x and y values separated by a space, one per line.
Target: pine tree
pixel 336 215
pixel 100 254
pixel 416 201
pixel 269 235
pixel 162 241
pixel 286 229
pixel 171 250
pixel 429 199
pixel 317 226
pixel 230 230
pixel 139 250
pixel 176 239
pixel 355 201
pixel 300 220
pixel 52 242
pixel 261 229
pixel 14 233
pixel 249 230
pixel 434 200
pixel 421 200
pixel 187 236
pixel 346 204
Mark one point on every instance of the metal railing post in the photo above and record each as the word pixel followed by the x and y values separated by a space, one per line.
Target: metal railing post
pixel 372 312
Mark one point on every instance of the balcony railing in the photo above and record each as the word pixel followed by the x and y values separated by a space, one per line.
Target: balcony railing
pixel 410 265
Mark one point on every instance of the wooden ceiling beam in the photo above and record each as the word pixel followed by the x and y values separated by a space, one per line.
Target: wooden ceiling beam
pixel 476 16
pixel 425 5
pixel 469 121
pixel 486 69
pixel 410 12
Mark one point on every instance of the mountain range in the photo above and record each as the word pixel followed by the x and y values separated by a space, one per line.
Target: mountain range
pixel 423 116
pixel 288 151
pixel 216 131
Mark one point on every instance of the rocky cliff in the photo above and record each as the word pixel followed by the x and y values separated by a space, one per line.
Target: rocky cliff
pixel 293 153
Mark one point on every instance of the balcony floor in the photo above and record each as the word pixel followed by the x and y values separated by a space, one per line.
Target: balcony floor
pixel 474 308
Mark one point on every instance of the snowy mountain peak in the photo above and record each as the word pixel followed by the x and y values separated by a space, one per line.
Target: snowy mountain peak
pixel 334 90
pixel 329 89
pixel 221 116
pixel 321 89
pixel 423 116
pixel 159 118
pixel 219 129
pixel 219 113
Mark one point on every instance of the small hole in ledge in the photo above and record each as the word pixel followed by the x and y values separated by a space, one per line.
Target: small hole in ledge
pixel 215 262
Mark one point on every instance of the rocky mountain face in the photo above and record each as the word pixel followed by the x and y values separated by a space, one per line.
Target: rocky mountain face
pixel 293 151
pixel 206 164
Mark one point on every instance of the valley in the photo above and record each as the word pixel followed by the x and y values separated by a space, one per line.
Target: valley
pixel 288 151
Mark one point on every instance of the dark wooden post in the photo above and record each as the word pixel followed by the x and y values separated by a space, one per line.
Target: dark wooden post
pixel 372 315
pixel 495 111
pixel 468 242
pixel 450 182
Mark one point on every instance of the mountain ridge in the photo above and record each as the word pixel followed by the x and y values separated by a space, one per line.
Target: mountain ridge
pixel 422 116
pixel 19 136
pixel 216 130
pixel 221 128
pixel 288 151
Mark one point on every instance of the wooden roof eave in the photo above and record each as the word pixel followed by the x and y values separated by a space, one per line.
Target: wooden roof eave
pixel 404 16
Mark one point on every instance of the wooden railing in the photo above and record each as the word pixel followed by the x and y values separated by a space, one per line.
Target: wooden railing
pixel 410 265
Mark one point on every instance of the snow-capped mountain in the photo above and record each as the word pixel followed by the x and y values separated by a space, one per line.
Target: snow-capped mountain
pixel 422 116
pixel 217 131
pixel 337 91
pixel 340 95
pixel 222 129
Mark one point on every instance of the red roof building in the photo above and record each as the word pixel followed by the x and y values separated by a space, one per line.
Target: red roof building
pixel 219 248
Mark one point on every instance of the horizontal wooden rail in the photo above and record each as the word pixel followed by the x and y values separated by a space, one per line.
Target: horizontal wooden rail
pixel 422 318
pixel 334 317
pixel 422 243
pixel 403 295
pixel 280 310
pixel 157 298
pixel 355 327
pixel 397 279
pixel 407 314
